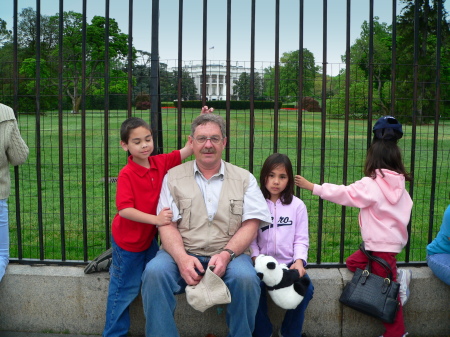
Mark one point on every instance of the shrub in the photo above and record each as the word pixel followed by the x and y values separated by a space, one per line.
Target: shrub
pixel 235 105
pixel 310 104
pixel 143 102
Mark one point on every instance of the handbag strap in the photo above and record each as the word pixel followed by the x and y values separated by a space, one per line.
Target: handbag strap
pixel 377 259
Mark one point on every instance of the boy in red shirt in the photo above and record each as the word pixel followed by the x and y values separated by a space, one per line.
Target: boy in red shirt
pixel 135 225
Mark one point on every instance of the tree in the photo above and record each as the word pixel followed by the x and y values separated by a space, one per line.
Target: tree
pixel 169 84
pixel 73 56
pixel 381 66
pixel 358 95
pixel 241 87
pixel 289 70
pixel 427 24
pixel 142 73
pixel 5 34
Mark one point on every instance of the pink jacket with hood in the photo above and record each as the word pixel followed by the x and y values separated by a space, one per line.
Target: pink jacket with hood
pixel 385 208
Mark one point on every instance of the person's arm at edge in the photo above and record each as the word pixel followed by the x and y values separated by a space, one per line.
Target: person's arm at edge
pixel 18 150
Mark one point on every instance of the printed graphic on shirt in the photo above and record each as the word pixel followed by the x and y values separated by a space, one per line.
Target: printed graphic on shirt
pixel 282 221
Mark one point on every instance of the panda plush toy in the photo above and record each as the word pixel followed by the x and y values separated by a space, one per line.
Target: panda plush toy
pixel 285 286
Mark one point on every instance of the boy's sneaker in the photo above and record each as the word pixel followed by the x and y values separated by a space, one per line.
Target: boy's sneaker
pixel 404 277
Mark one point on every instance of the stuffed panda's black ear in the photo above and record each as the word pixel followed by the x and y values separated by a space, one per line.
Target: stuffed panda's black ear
pixel 271 265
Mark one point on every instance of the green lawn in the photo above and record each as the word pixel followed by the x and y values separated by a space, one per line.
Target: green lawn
pixel 59 217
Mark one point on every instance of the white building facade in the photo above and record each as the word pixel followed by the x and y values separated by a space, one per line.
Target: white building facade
pixel 216 87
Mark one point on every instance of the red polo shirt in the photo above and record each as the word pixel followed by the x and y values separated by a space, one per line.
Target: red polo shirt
pixel 139 187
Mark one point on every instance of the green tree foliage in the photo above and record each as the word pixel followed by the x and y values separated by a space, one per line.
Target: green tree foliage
pixel 426 70
pixel 169 84
pixel 358 95
pixel 405 69
pixel 289 70
pixel 382 49
pixel 73 55
pixel 168 80
pixel 359 74
pixel 142 73
pixel 5 34
pixel 241 87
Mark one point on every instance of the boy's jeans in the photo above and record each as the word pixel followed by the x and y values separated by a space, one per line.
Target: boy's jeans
pixel 124 286
pixel 440 265
pixel 4 237
pixel 161 280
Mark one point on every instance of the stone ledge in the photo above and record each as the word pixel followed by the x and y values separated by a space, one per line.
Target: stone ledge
pixel 64 299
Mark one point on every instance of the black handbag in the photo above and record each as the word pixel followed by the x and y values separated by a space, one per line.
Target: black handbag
pixel 372 294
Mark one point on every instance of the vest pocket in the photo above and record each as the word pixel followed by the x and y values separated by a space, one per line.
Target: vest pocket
pixel 185 212
pixel 236 210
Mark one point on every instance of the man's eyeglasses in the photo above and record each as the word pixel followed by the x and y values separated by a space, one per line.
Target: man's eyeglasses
pixel 213 139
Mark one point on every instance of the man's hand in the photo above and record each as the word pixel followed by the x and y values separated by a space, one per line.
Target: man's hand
pixel 164 217
pixel 220 261
pixel 191 269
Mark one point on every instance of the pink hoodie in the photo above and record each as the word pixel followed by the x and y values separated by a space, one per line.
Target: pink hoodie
pixel 385 208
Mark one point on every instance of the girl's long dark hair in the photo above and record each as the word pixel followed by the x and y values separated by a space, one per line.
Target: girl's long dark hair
pixel 273 161
pixel 384 154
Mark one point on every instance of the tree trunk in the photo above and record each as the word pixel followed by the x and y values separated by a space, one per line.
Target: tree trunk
pixel 76 105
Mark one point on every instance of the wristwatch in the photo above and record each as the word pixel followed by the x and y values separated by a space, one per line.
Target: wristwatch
pixel 232 254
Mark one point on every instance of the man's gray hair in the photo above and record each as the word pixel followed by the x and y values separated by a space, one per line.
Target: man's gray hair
pixel 208 118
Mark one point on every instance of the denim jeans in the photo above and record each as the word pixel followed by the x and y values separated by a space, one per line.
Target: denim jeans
pixel 292 325
pixel 124 286
pixel 4 237
pixel 161 280
pixel 440 265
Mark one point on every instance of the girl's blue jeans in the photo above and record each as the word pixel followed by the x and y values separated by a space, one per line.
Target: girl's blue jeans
pixel 4 237
pixel 293 319
pixel 162 280
pixel 124 286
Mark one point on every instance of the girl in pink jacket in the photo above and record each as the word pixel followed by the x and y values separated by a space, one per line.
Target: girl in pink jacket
pixel 286 239
pixel 385 208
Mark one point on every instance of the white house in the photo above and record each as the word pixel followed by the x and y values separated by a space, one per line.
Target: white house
pixel 215 79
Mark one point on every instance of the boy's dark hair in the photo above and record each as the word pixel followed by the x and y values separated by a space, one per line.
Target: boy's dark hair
pixel 273 161
pixel 384 154
pixel 129 125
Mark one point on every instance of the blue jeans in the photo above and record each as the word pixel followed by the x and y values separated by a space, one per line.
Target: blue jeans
pixel 124 286
pixel 293 319
pixel 161 280
pixel 440 265
pixel 4 237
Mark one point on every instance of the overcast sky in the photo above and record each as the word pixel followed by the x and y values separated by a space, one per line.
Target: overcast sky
pixel 241 24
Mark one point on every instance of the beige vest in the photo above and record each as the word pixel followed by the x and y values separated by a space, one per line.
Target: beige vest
pixel 201 236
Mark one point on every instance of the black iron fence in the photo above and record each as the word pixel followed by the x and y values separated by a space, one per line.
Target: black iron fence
pixel 71 89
